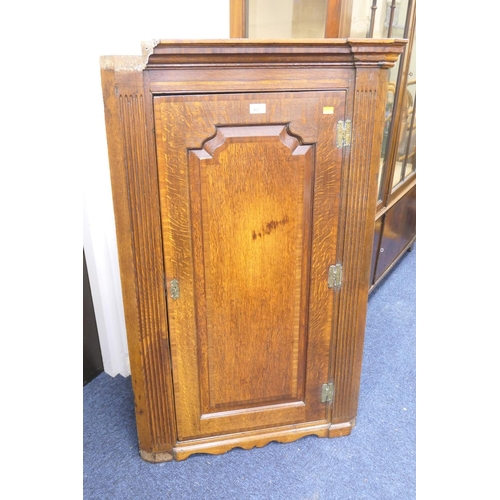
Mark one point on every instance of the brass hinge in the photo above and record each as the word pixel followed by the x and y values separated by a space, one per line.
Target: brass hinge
pixel 327 393
pixel 174 289
pixel 335 276
pixel 343 133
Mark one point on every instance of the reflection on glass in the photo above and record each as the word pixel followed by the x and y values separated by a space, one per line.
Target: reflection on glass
pixel 372 18
pixel 286 18
pixel 389 107
pixel 406 153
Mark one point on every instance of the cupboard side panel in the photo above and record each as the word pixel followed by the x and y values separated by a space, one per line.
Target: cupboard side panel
pixel 359 204
pixel 135 202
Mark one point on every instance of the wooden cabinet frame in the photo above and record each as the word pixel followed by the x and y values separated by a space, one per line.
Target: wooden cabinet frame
pixel 203 70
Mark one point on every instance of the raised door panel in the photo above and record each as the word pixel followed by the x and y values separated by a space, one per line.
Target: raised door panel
pixel 253 284
pixel 249 194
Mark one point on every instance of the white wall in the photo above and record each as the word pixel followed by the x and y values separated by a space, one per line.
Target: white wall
pixel 117 28
pixel 114 28
pixel 53 157
pixel 55 165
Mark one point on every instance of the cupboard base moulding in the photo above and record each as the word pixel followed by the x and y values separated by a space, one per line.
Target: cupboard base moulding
pixel 249 440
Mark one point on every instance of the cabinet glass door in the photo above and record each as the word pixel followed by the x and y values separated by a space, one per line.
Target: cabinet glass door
pixel 390 19
pixel 286 18
pixel 405 164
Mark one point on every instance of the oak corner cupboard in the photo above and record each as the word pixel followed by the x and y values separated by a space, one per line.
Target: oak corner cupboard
pixel 244 177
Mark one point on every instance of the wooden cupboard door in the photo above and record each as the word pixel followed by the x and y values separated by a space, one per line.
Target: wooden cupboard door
pixel 249 199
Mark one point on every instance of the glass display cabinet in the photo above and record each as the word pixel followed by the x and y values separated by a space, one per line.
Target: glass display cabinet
pixel 395 220
pixel 284 19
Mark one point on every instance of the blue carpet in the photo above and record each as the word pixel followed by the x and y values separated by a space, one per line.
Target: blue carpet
pixel 377 461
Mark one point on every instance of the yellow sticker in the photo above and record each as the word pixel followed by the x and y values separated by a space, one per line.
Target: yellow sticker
pixel 328 110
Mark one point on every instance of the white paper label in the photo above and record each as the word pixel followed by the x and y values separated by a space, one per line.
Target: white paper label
pixel 257 109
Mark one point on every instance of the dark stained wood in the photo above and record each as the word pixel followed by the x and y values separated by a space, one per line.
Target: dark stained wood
pixel 399 230
pixel 246 211
pixel 201 54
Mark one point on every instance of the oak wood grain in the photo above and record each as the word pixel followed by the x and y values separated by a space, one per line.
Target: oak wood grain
pixel 246 211
pixel 358 207
pixel 241 331
pixel 136 206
